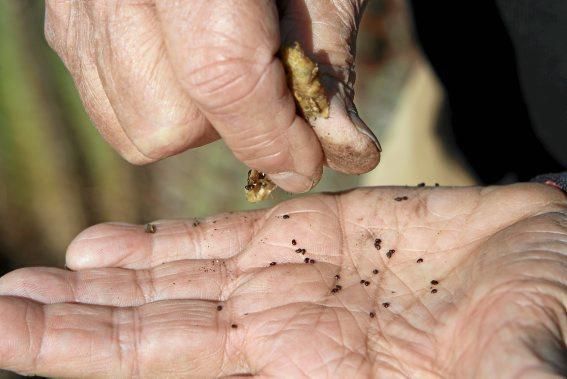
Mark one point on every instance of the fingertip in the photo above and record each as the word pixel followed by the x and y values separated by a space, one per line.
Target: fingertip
pixel 306 157
pixel 97 246
pixel 294 182
pixel 349 145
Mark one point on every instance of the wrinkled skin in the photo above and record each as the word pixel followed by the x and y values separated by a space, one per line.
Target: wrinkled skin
pixel 158 77
pixel 145 304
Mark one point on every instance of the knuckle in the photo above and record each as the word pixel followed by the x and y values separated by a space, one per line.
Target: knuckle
pixel 270 154
pixel 221 84
pixel 56 19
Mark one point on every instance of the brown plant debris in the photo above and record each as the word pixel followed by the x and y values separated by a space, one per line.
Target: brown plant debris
pixel 303 80
pixel 259 186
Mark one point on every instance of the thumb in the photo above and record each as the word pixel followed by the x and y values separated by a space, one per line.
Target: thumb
pixel 327 33
pixel 224 56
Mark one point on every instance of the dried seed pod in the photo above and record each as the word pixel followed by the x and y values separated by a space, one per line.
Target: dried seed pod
pixel 258 187
pixel 303 80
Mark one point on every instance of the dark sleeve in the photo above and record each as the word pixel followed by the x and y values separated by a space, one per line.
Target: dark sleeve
pixel 558 180
pixel 538 30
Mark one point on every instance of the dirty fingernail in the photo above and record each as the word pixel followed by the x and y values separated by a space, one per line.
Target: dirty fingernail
pixel 292 182
pixel 363 128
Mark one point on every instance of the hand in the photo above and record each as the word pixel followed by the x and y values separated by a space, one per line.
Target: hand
pixel 470 282
pixel 158 77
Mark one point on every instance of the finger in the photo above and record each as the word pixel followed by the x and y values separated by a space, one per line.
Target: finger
pixel 190 279
pixel 67 30
pixel 327 33
pixel 153 110
pixel 211 279
pixel 223 54
pixel 119 342
pixel 131 246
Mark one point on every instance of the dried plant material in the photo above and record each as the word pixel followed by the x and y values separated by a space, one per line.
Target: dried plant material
pixel 150 228
pixel 259 186
pixel 303 80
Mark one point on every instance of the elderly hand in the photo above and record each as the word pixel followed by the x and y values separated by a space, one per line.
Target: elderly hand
pixel 158 77
pixel 460 283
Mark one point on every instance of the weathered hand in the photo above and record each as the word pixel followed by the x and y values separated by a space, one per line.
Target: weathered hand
pixel 158 77
pixel 460 283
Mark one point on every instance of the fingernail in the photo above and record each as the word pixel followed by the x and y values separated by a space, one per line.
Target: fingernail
pixel 363 128
pixel 292 181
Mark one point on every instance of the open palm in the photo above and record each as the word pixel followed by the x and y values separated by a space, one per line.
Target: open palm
pixel 385 282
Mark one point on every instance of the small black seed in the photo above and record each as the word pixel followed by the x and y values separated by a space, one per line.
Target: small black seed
pixel 285 216
pixel 372 315
pixel 339 287
pixel 434 282
pixel 272 263
pixel 306 260
pixel 436 184
pixel 293 242
pixel 337 276
pixel 375 271
pixel 219 307
pixel 366 283
pixel 385 305
pixel 234 326
pixel 312 261
pixel 390 253
pixel 377 243
pixel 248 187
pixel 362 281
pixel 334 290
pixel 419 260
pixel 421 185
pixel 433 290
